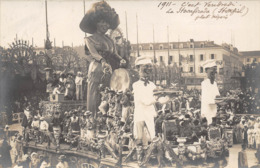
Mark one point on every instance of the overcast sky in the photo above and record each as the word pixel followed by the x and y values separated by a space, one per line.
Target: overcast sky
pixel 26 18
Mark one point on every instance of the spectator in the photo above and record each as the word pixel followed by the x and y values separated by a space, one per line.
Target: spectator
pixel 56 125
pixel 62 162
pixel 242 158
pixel 5 157
pixel 44 127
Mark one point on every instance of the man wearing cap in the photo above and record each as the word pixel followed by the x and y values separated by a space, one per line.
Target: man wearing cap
pixel 144 100
pixel 36 125
pixel 209 91
pixel 56 124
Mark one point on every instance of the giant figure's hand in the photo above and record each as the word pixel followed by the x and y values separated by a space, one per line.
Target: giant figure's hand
pixel 122 63
pixel 106 67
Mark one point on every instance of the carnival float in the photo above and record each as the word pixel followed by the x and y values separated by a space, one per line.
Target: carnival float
pixel 105 139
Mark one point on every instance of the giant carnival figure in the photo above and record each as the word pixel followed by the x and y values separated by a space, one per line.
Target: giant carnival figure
pixel 97 21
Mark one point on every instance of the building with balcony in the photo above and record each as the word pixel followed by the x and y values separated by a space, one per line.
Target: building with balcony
pixel 190 55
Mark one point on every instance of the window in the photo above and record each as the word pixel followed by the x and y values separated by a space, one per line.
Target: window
pixel 254 60
pixel 221 71
pixel 140 48
pixel 191 69
pixel 201 45
pixel 181 45
pixel 191 58
pixel 191 46
pixel 201 57
pixel 181 69
pixel 227 73
pixel 201 69
pixel 161 58
pixel 170 59
pixel 86 165
pixel 248 59
pixel 212 56
pixel 151 47
pixel 161 47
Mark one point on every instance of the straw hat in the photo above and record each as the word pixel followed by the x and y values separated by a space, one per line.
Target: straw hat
pixel 142 61
pixel 209 64
pixel 62 157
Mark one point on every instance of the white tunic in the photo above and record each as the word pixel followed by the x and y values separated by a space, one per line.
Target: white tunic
pixel 144 105
pixel 208 94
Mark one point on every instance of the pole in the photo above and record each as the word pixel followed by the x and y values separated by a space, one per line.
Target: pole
pixel 137 35
pixel 84 8
pixel 194 58
pixel 168 70
pixel 126 26
pixel 179 60
pixel 168 45
pixel 54 43
pixel 154 54
pixel 46 10
pixel 32 41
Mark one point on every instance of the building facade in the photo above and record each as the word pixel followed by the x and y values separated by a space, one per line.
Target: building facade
pixel 249 57
pixel 189 57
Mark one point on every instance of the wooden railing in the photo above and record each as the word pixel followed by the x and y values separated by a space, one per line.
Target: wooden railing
pixel 17 117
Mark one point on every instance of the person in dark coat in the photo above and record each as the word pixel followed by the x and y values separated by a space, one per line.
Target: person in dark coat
pixel 242 158
pixel 5 157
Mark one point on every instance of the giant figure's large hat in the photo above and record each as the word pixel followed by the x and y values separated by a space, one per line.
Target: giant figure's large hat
pixel 100 10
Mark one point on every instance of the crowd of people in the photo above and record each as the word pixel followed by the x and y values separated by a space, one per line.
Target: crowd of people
pixel 73 87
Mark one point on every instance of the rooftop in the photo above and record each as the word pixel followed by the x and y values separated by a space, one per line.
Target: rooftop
pixel 250 53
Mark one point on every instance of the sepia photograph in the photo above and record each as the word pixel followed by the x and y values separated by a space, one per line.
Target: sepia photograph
pixel 129 84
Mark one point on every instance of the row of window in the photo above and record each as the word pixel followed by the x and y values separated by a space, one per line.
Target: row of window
pixel 254 60
pixel 191 57
pixel 201 70
pixel 171 46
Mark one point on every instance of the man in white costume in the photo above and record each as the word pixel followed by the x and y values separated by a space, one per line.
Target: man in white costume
pixel 144 100
pixel 209 91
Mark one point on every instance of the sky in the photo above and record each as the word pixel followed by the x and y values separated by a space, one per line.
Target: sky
pixel 238 22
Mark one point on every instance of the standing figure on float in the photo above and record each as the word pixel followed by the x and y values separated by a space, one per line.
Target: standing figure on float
pixel 209 91
pixel 97 21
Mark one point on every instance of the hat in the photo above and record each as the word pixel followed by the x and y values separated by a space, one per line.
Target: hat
pixel 142 61
pixel 99 11
pixel 33 154
pixel 7 126
pixel 87 113
pixel 62 157
pixel 196 111
pixel 25 157
pixel 209 64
